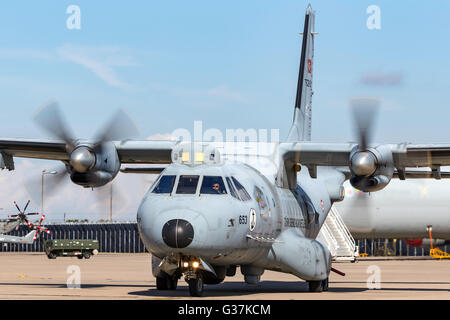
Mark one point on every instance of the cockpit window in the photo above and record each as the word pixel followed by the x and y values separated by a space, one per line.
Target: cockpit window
pixel 165 184
pixel 213 185
pixel 187 185
pixel 233 191
pixel 241 190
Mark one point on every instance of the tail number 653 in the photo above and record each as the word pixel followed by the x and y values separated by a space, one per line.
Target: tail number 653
pixel 243 220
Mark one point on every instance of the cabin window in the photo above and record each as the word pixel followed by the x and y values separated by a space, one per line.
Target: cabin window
pixel 165 184
pixel 187 184
pixel 213 185
pixel 243 194
pixel 233 191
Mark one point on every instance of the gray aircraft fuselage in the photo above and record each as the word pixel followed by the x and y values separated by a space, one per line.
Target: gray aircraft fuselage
pixel 267 231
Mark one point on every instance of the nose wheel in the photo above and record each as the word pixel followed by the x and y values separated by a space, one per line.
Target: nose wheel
pixel 196 286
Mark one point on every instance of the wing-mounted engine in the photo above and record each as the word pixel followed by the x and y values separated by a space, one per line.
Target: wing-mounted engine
pixel 93 166
pixel 91 163
pixel 372 168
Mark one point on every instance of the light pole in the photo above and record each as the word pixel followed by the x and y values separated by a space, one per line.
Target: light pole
pixel 44 172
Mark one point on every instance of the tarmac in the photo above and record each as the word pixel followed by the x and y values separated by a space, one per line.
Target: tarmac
pixel 128 276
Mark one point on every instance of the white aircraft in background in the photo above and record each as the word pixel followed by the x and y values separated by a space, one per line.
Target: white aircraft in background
pixel 403 210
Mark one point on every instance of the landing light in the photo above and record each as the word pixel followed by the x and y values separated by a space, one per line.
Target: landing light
pixel 185 264
pixel 199 157
pixel 185 157
pixel 195 264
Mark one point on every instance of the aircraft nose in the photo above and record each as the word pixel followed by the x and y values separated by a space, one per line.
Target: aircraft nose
pixel 177 233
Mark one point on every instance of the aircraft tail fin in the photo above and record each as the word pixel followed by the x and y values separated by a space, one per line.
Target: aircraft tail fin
pixel 301 126
pixel 30 237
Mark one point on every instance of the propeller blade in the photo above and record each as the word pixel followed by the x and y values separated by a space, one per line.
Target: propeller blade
pixel 104 197
pixel 15 203
pixel 33 183
pixel 50 118
pixel 364 111
pixel 358 211
pixel 26 206
pixel 120 127
pixel 42 219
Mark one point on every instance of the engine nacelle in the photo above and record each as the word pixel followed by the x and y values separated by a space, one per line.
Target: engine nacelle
pixel 372 169
pixel 94 166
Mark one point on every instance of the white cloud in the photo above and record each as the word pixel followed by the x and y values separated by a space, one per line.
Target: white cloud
pixel 163 136
pixel 99 60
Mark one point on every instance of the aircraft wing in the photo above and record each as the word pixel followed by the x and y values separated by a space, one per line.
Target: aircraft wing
pixel 403 156
pixel 32 148
pixel 129 151
pixel 338 154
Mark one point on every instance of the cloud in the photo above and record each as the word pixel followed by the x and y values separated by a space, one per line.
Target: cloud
pixel 163 136
pixel 378 78
pixel 99 60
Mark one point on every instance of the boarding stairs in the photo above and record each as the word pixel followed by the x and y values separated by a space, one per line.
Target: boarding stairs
pixel 335 235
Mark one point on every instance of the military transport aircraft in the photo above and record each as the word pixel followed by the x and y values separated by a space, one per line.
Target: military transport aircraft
pixel 221 205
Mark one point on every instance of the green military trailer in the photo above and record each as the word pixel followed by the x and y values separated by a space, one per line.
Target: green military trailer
pixel 71 248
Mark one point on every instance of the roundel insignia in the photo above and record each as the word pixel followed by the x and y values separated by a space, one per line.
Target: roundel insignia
pixel 252 219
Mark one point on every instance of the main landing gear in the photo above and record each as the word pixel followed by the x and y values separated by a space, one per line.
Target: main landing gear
pixel 318 286
pixel 166 282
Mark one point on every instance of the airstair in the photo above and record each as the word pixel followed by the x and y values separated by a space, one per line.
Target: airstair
pixel 335 235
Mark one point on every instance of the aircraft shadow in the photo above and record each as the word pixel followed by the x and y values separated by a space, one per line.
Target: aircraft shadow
pixel 83 286
pixel 231 288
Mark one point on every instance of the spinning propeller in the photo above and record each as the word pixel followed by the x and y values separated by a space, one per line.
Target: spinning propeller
pixel 84 155
pixel 22 216
pixel 364 162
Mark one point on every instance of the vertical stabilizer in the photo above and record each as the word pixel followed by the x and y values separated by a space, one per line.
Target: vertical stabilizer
pixel 301 126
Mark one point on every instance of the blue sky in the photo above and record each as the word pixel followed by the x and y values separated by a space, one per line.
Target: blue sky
pixel 231 64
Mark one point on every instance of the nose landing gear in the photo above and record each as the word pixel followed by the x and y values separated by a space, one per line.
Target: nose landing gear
pixel 196 285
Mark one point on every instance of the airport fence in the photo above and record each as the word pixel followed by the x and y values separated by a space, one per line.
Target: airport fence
pixel 123 237
pixel 112 237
